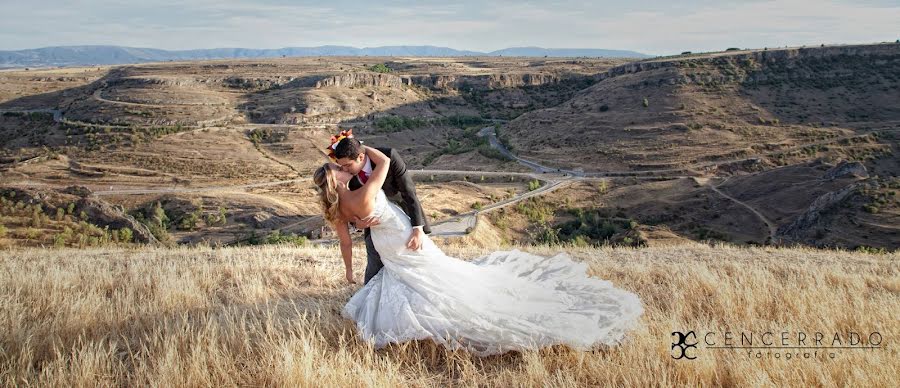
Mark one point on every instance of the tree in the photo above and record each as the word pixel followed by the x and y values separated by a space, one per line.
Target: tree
pixel 222 216
pixel 159 216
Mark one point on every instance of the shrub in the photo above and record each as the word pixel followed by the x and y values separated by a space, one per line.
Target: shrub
pixel 398 123
pixel 32 233
pixel 277 238
pixel 603 186
pixel 546 234
pixel 189 221
pixel 2 231
pixel 487 151
pixel 534 185
pixel 59 240
pixel 161 234
pixel 604 108
pixel 380 68
pixel 222 216
pixel 159 217
pixel 477 205
pixel 646 102
pixel 125 235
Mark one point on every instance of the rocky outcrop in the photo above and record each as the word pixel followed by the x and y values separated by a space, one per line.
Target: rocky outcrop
pixel 98 212
pixel 138 81
pixel 263 220
pixel 102 213
pixel 360 80
pixel 810 218
pixel 751 67
pixel 845 168
pixel 481 82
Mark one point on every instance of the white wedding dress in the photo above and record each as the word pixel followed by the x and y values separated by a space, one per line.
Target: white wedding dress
pixel 509 300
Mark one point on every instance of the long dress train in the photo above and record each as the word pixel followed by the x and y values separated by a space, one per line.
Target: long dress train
pixel 508 300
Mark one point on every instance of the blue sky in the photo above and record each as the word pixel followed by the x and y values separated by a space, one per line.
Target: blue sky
pixel 650 26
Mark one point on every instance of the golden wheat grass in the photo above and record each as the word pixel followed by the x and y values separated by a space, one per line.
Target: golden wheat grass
pixel 271 316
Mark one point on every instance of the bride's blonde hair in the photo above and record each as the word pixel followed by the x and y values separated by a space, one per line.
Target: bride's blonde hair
pixel 328 196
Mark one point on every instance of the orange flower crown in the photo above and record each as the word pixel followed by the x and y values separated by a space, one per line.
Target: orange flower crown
pixel 335 139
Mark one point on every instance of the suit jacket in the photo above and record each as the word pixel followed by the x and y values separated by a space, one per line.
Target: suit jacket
pixel 399 183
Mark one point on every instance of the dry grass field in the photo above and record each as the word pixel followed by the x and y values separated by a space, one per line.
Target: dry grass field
pixel 269 316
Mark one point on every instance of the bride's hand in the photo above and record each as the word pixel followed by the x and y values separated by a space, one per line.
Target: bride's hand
pixel 349 276
pixel 375 155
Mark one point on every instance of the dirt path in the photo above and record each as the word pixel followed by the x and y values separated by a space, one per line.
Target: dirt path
pixel 771 225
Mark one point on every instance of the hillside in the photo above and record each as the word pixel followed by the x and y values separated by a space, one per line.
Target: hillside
pixel 767 125
pixel 270 316
pixel 678 112
pixel 777 146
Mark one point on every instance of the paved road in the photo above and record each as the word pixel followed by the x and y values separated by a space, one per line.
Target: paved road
pixel 460 225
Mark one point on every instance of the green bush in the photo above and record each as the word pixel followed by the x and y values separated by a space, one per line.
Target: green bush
pixel 380 68
pixel 158 216
pixel 546 234
pixel 535 211
pixel 125 235
pixel 477 205
pixel 277 238
pixel 59 240
pixel 189 221
pixel 398 123
pixel 223 216
pixel 646 102
pixel 534 185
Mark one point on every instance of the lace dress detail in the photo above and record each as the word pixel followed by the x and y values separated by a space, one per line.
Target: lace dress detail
pixel 508 300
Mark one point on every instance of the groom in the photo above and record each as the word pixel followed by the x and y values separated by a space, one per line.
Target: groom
pixel 398 186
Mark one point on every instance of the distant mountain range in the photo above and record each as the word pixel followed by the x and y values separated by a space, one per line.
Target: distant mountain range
pixel 115 55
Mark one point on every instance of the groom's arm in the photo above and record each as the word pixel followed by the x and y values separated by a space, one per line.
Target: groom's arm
pixel 407 189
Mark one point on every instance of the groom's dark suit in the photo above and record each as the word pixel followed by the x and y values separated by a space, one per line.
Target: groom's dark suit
pixel 399 187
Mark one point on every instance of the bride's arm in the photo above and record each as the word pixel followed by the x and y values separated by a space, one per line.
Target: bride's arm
pixel 379 174
pixel 343 232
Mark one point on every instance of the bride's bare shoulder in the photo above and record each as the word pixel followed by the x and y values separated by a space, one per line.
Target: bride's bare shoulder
pixel 349 206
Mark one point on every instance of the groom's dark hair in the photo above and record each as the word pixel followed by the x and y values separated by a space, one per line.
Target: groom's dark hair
pixel 347 148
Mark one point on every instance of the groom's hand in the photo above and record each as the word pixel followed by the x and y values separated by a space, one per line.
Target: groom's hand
pixel 415 240
pixel 368 222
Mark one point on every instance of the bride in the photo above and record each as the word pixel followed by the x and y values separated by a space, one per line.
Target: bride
pixel 508 300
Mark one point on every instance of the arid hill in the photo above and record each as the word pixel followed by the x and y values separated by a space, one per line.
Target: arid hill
pixel 772 121
pixel 753 147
